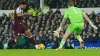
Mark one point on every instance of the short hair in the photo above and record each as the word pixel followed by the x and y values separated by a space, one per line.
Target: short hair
pixel 70 3
pixel 22 2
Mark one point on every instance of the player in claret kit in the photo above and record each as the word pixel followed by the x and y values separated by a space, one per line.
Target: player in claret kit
pixel 18 26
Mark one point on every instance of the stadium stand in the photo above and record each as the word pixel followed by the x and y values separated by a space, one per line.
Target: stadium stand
pixel 51 3
pixel 43 25
pixel 12 4
pixel 78 3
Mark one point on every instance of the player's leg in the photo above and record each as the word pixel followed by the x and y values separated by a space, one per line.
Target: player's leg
pixel 16 31
pixel 28 33
pixel 65 37
pixel 77 33
pixel 17 38
pixel 31 39
pixel 69 31
pixel 81 41
pixel 15 34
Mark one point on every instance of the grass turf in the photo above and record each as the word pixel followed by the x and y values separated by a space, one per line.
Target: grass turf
pixel 67 52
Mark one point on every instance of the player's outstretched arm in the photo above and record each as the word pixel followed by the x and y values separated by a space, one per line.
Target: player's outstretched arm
pixel 62 24
pixel 19 14
pixel 60 28
pixel 89 21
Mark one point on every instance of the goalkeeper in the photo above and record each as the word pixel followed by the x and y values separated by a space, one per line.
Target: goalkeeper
pixel 75 16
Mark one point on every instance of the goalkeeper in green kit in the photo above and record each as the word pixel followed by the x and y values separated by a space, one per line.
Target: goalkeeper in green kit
pixel 75 16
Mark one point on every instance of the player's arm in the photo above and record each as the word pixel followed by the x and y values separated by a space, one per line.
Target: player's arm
pixel 61 24
pixel 12 16
pixel 89 21
pixel 19 14
pixel 63 21
pixel 60 28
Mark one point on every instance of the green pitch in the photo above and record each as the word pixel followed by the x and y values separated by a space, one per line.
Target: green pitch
pixel 67 52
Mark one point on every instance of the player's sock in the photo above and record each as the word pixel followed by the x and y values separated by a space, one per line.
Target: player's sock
pixel 31 40
pixel 62 43
pixel 80 40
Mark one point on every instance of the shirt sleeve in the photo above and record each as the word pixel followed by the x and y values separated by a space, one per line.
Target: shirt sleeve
pixel 18 10
pixel 66 14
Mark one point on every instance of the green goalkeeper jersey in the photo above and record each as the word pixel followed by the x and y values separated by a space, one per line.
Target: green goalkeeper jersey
pixel 74 14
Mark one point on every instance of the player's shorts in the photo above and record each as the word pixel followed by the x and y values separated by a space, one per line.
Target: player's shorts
pixel 76 27
pixel 19 29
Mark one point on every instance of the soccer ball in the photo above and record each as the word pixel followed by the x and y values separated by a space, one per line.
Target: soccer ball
pixel 41 46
